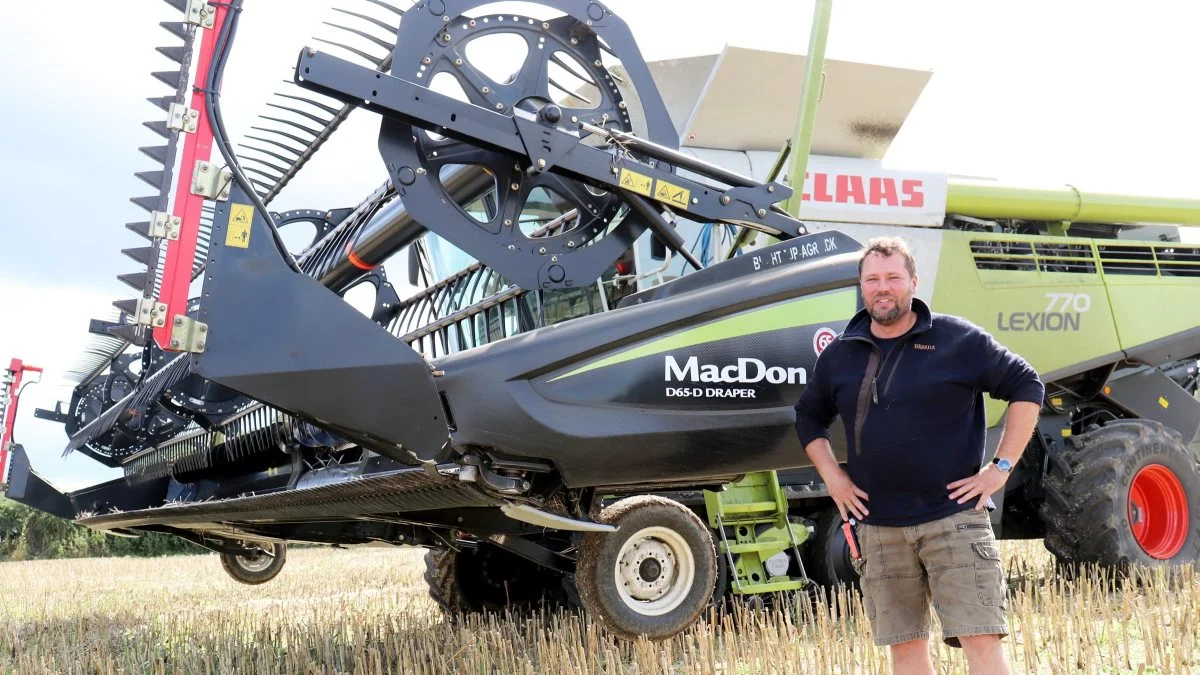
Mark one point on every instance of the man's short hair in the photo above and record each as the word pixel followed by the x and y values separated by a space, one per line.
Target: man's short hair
pixel 887 247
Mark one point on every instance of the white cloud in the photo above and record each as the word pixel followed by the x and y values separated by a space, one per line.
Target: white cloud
pixel 46 326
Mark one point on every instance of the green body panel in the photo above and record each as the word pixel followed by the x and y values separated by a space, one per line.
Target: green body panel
pixel 1066 203
pixel 1112 298
pixel 757 511
pixel 1152 304
pixel 1023 309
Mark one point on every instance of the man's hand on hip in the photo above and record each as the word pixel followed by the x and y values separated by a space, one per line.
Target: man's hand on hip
pixel 981 485
pixel 848 496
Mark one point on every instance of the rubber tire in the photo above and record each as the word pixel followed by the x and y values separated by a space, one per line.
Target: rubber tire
pixel 234 568
pixel 1087 494
pixel 597 559
pixel 454 577
pixel 828 561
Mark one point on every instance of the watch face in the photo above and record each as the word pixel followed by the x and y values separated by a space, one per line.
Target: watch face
pixel 1004 464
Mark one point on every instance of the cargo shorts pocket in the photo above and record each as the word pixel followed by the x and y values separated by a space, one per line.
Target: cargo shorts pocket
pixel 989 575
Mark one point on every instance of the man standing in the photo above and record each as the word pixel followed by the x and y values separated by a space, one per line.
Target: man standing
pixel 908 384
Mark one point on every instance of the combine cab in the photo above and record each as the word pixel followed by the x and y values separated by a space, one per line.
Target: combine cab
pixel 585 395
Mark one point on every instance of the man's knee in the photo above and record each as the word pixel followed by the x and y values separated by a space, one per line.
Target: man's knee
pixel 989 642
pixel 910 648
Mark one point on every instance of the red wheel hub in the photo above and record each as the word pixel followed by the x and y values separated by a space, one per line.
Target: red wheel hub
pixel 1158 511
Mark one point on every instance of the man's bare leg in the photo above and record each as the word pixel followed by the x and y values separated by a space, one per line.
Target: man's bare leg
pixel 912 658
pixel 985 655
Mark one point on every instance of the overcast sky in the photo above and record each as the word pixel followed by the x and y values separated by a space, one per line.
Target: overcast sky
pixel 1097 94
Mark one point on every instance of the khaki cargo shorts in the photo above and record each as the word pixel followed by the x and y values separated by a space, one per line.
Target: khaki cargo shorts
pixel 952 563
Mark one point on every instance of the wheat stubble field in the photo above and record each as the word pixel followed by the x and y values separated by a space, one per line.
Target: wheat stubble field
pixel 366 611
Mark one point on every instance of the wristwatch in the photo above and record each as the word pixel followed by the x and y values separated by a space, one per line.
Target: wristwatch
pixel 1002 464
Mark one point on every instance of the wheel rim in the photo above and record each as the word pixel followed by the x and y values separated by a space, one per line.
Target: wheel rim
pixel 258 562
pixel 1158 511
pixel 655 570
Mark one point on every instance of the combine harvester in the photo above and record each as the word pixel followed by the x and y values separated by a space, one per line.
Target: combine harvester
pixel 576 405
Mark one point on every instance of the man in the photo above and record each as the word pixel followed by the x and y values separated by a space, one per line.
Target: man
pixel 908 384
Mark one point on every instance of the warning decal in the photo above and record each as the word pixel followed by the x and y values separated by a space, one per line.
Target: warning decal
pixel 238 232
pixel 672 194
pixel 635 182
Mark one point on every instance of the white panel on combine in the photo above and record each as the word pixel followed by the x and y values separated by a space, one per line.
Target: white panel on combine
pixel 863 106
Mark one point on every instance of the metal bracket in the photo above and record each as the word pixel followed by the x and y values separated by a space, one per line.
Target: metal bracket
pixel 200 13
pixel 150 312
pixel 182 118
pixel 164 226
pixel 187 334
pixel 208 182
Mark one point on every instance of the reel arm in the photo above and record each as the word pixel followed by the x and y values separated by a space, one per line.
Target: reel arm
pixel 545 142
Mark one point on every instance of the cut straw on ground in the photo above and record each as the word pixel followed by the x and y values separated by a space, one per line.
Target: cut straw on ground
pixel 366 611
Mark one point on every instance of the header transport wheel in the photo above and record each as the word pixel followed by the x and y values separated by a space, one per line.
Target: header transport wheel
pixel 1125 493
pixel 653 576
pixel 259 568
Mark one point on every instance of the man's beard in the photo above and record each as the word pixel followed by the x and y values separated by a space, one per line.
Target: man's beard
pixel 890 316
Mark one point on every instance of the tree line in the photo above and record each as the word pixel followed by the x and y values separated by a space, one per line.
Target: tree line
pixel 29 534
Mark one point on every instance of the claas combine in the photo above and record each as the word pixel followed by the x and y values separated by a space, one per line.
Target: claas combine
pixel 583 395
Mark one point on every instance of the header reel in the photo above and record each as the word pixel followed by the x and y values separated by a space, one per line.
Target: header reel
pixel 451 119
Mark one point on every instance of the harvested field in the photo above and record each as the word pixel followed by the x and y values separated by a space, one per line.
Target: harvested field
pixel 366 611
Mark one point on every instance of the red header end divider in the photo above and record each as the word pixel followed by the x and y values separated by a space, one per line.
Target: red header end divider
pixel 16 370
pixel 177 270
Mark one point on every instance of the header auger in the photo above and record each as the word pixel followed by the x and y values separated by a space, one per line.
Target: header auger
pixel 587 397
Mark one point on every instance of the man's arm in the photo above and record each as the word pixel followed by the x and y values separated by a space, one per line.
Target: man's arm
pixel 1007 377
pixel 1019 424
pixel 815 412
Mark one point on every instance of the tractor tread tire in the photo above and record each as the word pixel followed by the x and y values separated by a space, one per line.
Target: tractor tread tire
pixel 1087 492
pixel 439 577
pixel 827 548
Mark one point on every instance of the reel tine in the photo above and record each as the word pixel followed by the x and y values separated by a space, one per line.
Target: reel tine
pixel 369 19
pixel 379 42
pixel 278 169
pixel 319 120
pixel 568 92
pixel 282 133
pixel 570 69
pixel 262 173
pixel 261 184
pixel 180 5
pixel 396 10
pixel 311 132
pixel 327 108
pixel 374 60
pixel 276 144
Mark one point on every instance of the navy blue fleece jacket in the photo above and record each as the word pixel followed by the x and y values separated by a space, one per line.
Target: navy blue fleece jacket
pixel 915 419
